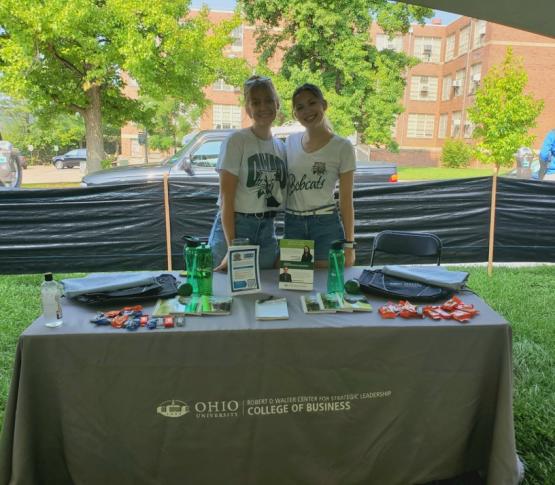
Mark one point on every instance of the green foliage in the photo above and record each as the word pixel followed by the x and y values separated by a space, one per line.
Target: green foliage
pixel 107 162
pixel 43 131
pixel 456 153
pixel 68 57
pixel 170 121
pixel 503 113
pixel 527 308
pixel 328 44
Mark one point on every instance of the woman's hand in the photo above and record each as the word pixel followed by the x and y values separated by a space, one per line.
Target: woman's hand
pixel 349 257
pixel 222 266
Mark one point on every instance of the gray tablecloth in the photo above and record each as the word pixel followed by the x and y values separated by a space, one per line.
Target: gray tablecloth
pixel 326 399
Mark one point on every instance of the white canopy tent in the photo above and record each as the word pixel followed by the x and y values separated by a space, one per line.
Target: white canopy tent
pixel 536 16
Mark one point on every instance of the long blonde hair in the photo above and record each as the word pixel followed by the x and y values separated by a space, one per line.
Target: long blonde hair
pixel 257 81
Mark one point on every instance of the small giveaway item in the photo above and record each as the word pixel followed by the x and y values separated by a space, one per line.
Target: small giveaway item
pixel 452 309
pixel 271 308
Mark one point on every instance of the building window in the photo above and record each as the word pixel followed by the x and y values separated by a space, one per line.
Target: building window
pixel 446 88
pixel 237 36
pixel 456 124
pixel 394 127
pixel 468 128
pixel 442 132
pixel 458 83
pixel 384 42
pixel 423 88
pixel 475 76
pixel 420 126
pixel 464 37
pixel 479 38
pixel 226 116
pixel 450 48
pixel 427 49
pixel 220 85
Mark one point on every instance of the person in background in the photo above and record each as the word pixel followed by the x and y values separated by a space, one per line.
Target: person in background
pixel 253 179
pixel 316 160
pixel 547 157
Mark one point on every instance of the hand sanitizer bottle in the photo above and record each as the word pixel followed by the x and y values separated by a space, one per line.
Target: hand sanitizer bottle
pixel 51 294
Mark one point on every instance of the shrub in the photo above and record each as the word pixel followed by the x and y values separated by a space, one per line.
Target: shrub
pixel 107 162
pixel 456 154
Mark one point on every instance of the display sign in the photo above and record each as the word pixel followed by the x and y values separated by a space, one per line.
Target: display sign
pixel 296 264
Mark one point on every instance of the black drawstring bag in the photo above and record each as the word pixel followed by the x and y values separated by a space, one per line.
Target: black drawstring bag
pixel 165 286
pixel 377 283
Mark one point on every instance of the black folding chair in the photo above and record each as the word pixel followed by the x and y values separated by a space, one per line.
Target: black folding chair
pixel 420 244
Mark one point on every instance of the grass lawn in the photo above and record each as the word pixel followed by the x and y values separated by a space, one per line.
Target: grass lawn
pixel 522 295
pixel 56 185
pixel 438 173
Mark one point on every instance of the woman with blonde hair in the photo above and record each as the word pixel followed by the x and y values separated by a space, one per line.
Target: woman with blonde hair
pixel 253 177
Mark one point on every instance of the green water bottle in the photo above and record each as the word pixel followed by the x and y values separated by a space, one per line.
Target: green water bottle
pixel 191 244
pixel 203 269
pixel 336 267
pixel 189 255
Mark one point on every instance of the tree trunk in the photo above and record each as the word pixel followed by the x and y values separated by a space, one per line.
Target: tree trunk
pixel 93 130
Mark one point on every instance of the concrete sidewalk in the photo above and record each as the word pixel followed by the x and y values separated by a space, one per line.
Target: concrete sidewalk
pixel 48 174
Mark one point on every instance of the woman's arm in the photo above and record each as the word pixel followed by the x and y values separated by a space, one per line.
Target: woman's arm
pixel 228 186
pixel 347 212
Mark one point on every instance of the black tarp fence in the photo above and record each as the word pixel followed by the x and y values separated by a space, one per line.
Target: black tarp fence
pixel 122 227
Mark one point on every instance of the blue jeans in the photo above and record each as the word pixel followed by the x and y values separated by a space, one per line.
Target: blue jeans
pixel 322 229
pixel 259 231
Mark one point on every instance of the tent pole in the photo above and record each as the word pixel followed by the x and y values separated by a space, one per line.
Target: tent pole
pixel 168 228
pixel 492 220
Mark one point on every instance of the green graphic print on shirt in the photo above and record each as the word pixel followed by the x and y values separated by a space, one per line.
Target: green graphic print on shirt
pixel 315 182
pixel 268 174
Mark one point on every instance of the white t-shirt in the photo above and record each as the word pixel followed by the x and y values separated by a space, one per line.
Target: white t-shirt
pixel 261 170
pixel 313 176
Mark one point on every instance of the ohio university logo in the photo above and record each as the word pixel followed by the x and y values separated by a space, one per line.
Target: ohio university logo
pixel 173 409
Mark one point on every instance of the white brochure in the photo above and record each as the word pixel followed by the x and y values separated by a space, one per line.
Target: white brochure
pixel 244 269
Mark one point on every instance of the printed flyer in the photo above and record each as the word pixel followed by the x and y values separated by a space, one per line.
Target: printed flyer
pixel 296 264
pixel 244 269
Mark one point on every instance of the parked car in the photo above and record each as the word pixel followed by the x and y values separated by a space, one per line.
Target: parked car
pixel 197 160
pixel 71 159
pixel 11 171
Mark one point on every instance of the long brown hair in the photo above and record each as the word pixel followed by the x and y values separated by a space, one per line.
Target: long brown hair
pixel 311 88
pixel 317 93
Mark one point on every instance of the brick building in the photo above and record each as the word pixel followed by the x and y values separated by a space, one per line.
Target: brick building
pixel 454 58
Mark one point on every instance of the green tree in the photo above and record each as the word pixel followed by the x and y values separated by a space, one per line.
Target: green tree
pixel 503 113
pixel 23 128
pixel 328 43
pixel 171 120
pixel 68 57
